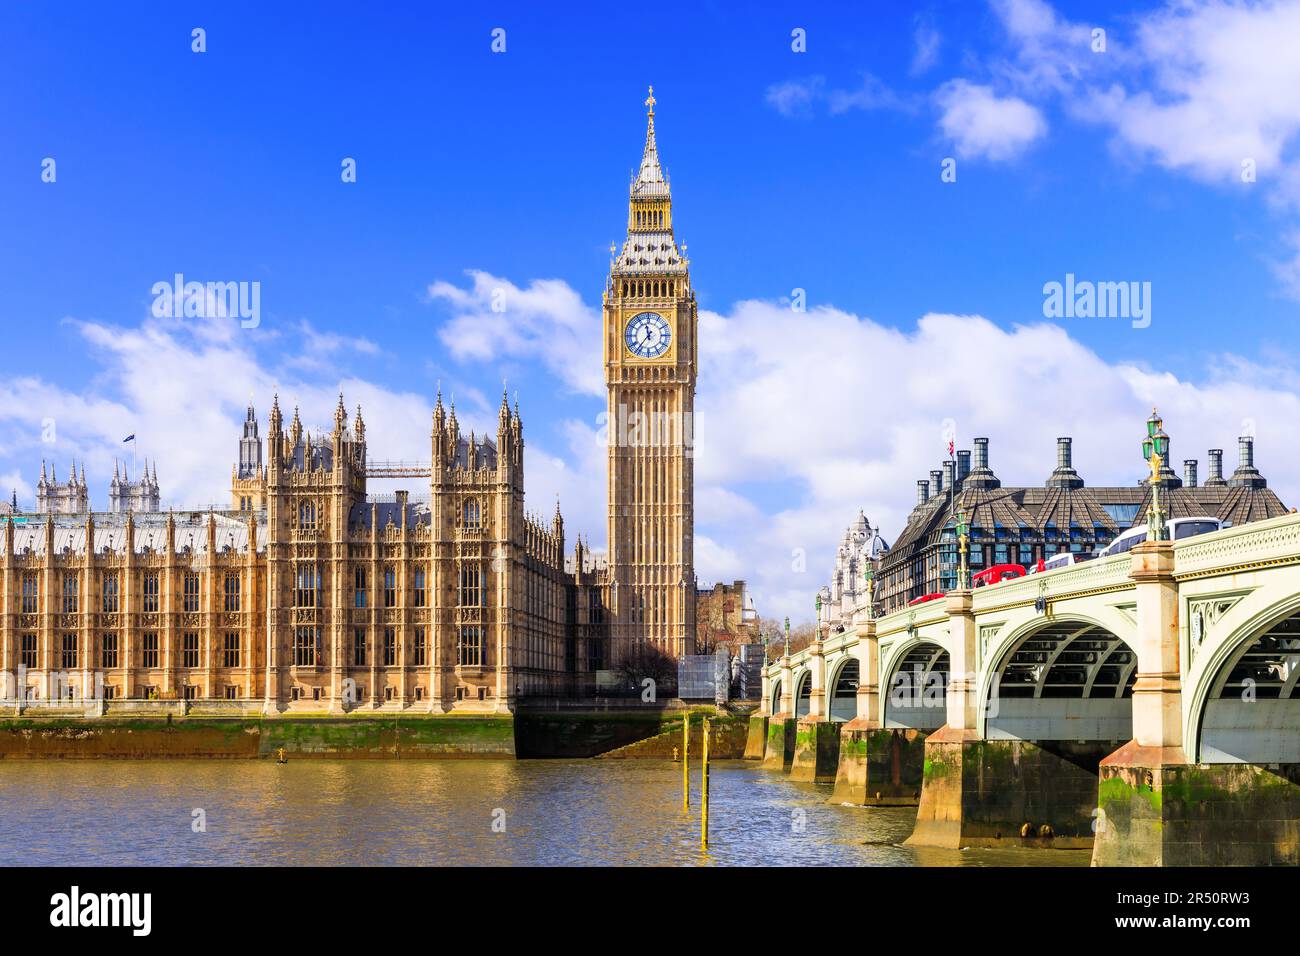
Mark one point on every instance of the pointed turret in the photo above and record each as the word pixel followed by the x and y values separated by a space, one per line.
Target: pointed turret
pixel 359 426
pixel 650 180
pixel 650 247
pixel 340 417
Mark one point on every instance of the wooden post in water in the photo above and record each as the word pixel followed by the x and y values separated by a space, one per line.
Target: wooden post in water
pixel 704 790
pixel 686 761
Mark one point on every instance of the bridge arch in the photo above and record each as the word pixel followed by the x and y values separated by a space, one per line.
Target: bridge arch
pixel 1245 707
pixel 774 703
pixel 916 686
pixel 802 681
pixel 844 689
pixel 1067 677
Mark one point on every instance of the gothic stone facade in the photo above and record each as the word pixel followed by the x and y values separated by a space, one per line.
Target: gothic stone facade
pixel 326 599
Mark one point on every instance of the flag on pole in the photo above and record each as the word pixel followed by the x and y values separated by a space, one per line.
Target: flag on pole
pixel 951 445
pixel 128 438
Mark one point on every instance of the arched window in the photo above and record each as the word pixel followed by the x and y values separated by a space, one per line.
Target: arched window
pixel 473 518
pixel 307 516
pixel 306 586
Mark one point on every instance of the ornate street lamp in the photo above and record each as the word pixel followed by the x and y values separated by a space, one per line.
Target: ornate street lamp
pixel 817 621
pixel 963 547
pixel 1155 446
pixel 787 637
pixel 869 581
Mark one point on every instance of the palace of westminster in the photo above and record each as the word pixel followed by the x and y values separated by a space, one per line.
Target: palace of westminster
pixel 311 594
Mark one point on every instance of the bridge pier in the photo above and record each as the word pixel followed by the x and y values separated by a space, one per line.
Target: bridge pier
pixel 1006 792
pixel 876 767
pixel 778 751
pixel 817 738
pixel 1179 814
pixel 979 792
pixel 756 737
pixel 1155 807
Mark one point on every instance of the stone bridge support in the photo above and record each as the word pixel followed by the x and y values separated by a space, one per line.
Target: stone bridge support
pixel 756 738
pixel 1133 824
pixel 978 792
pixel 877 767
pixel 778 752
pixel 817 738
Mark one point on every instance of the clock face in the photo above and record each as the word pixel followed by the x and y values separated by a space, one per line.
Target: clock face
pixel 648 335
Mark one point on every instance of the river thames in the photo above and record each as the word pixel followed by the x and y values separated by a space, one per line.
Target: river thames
pixel 445 812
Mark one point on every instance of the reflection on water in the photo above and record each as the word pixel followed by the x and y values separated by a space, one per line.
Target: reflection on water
pixel 555 812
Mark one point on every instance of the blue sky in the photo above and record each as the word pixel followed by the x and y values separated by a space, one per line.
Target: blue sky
pixel 817 170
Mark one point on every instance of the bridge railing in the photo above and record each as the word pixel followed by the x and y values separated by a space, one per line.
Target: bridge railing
pixel 1259 542
pixel 1112 572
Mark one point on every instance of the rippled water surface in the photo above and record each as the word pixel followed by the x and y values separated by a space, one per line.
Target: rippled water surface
pixel 555 812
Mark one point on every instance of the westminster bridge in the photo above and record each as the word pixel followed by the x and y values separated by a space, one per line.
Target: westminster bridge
pixel 1144 704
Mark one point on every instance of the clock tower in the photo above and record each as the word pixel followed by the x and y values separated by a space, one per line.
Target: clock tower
pixel 650 331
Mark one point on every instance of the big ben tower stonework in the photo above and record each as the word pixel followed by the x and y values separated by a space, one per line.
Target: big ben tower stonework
pixel 650 334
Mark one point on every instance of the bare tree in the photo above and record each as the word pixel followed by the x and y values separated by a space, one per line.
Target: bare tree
pixel 646 660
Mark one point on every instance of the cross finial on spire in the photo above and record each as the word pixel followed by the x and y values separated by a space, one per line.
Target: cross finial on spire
pixel 650 102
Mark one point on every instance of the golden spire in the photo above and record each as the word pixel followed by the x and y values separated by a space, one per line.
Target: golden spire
pixel 650 102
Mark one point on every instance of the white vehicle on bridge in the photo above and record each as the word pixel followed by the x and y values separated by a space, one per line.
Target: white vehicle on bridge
pixel 1063 560
pixel 1179 528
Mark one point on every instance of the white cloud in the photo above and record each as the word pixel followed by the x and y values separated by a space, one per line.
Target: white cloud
pixel 795 97
pixel 547 321
pixel 927 41
pixel 1222 88
pixel 1198 87
pixel 983 124
pixel 800 97
pixel 848 422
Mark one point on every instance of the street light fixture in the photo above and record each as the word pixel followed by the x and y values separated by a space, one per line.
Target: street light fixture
pixel 1155 446
pixel 787 636
pixel 869 581
pixel 963 547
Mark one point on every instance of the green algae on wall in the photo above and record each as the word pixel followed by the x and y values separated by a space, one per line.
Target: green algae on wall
pixel 351 736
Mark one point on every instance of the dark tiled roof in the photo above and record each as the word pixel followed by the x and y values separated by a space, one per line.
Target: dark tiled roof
pixel 1062 508
pixel 387 512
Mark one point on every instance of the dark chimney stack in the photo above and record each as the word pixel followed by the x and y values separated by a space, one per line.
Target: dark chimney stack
pixel 981 476
pixel 922 492
pixel 1216 468
pixel 1247 475
pixel 1064 476
pixel 1189 473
